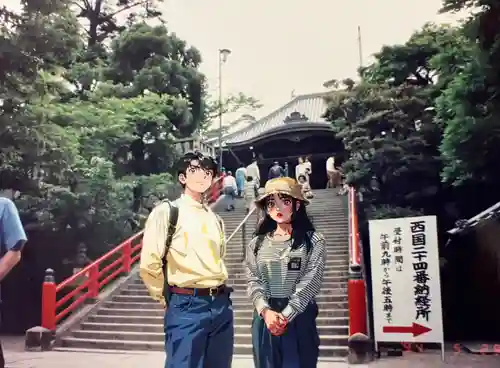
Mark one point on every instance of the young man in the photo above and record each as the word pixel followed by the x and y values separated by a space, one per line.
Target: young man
pixel 13 238
pixel 199 330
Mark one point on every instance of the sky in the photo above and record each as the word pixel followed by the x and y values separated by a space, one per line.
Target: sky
pixel 280 46
pixel 284 46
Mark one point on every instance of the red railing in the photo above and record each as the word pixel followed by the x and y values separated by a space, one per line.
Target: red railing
pixel 91 279
pixel 356 286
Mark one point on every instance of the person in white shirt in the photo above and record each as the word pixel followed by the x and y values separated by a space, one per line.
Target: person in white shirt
pixel 254 171
pixel 301 169
pixel 334 176
pixel 230 190
pixel 308 167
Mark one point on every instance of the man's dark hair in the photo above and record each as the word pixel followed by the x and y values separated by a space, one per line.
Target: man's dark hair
pixel 205 162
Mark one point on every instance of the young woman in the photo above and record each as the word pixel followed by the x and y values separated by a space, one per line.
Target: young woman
pixel 285 264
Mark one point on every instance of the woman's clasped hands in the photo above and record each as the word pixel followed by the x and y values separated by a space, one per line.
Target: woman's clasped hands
pixel 275 322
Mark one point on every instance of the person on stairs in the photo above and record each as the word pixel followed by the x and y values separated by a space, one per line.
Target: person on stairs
pixel 306 187
pixel 253 170
pixel 284 267
pixel 240 176
pixel 250 194
pixel 275 171
pixel 182 265
pixel 230 188
pixel 301 169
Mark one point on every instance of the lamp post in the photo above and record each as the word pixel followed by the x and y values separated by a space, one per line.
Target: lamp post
pixel 223 54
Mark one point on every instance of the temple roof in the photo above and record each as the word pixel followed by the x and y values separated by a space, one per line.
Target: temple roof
pixel 305 108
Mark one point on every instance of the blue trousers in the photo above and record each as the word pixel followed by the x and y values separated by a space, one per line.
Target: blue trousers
pixel 199 332
pixel 298 347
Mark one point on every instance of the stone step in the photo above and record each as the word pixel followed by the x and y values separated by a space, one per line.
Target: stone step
pixel 139 322
pixel 239 349
pixel 240 278
pixel 326 340
pixel 144 297
pixel 325 302
pixel 238 273
pixel 248 312
pixel 241 285
pixel 331 262
pixel 239 328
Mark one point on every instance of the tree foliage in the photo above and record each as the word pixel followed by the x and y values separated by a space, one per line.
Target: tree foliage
pixel 88 115
pixel 421 126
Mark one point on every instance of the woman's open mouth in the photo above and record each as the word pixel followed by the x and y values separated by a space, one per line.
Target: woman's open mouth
pixel 279 215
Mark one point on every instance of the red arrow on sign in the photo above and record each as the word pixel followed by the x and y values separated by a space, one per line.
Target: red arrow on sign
pixel 414 329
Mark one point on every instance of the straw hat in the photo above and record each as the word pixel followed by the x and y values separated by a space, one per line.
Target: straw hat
pixel 286 186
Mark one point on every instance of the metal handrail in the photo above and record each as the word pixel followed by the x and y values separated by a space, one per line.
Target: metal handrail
pixel 241 224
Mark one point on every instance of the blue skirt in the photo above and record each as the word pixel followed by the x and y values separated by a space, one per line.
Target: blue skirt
pixel 298 347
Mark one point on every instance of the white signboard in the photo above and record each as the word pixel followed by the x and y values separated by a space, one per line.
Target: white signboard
pixel 405 279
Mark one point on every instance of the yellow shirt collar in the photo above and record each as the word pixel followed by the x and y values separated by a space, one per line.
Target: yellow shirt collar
pixel 191 202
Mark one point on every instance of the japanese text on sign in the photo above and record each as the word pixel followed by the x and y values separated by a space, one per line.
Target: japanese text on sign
pixel 421 289
pixel 406 288
pixel 386 280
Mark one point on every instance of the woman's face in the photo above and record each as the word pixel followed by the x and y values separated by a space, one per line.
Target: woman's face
pixel 280 208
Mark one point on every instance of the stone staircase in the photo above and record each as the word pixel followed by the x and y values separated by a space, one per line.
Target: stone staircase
pixel 132 321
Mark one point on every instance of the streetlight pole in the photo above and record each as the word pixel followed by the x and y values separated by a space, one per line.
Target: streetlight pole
pixel 223 54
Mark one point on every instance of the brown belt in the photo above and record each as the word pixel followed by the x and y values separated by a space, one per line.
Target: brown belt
pixel 215 291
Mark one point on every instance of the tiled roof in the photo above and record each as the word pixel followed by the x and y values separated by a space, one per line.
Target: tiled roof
pixel 235 126
pixel 312 106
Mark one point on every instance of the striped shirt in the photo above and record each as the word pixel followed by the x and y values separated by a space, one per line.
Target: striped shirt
pixel 269 274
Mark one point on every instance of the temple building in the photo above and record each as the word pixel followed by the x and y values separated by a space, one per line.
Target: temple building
pixel 295 130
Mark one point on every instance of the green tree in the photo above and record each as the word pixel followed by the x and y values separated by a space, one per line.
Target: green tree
pixel 470 107
pixel 102 16
pixel 388 127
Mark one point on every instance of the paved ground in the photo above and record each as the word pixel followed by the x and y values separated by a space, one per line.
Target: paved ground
pixel 17 358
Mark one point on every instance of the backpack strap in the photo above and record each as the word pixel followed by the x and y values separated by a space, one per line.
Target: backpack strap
pixel 172 225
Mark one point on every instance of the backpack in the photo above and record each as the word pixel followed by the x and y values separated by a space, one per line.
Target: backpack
pixel 172 225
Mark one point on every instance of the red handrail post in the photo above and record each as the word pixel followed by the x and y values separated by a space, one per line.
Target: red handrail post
pixel 93 291
pixel 359 343
pixel 356 293
pixel 49 300
pixel 127 256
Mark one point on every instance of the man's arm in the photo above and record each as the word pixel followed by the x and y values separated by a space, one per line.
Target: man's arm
pixel 153 250
pixel 13 236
